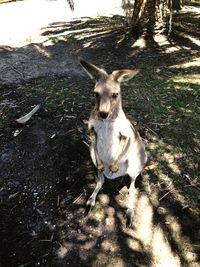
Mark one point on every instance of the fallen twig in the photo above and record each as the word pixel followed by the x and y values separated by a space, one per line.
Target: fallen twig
pixel 70 131
pixel 53 135
pixel 166 194
pixel 17 132
pixel 84 142
pixel 79 197
pixel 70 116
pixel 192 183
pixel 58 201
pixel 160 124
pixel 13 195
pixel 151 130
pixel 27 117
pixel 34 261
pixel 39 212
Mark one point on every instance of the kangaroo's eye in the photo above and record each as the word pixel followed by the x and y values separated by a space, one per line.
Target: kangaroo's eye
pixel 115 95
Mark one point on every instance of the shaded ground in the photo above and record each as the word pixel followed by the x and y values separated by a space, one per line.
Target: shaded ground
pixel 46 172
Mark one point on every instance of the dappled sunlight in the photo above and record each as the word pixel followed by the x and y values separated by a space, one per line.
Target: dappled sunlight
pixel 41 50
pixel 155 240
pixel 188 78
pixel 194 63
pixel 192 39
pixel 144 221
pixel 169 158
pixel 176 231
pixel 161 40
pixel 87 31
pixel 172 49
pixel 140 43
pixel 167 168
pixel 161 250
pixel 104 239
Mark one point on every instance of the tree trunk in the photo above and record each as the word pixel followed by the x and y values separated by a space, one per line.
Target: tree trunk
pixel 177 4
pixel 150 16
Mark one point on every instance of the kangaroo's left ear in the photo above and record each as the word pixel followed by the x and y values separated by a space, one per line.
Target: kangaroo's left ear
pixel 124 75
pixel 93 71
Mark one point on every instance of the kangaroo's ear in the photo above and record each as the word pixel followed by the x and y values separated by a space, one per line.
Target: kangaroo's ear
pixel 93 71
pixel 124 75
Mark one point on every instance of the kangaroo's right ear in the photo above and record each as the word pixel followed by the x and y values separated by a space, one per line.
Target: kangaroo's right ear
pixel 93 71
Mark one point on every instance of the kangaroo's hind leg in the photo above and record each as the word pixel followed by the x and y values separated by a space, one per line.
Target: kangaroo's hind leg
pixel 131 200
pixel 130 209
pixel 92 199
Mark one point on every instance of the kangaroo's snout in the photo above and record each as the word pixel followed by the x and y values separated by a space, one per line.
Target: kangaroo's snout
pixel 104 106
pixel 103 114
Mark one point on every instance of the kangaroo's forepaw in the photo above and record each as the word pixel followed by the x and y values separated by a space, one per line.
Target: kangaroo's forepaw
pixel 129 218
pixel 113 167
pixel 92 136
pixel 100 167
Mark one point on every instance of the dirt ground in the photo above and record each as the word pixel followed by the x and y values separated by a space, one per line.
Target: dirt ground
pixel 46 171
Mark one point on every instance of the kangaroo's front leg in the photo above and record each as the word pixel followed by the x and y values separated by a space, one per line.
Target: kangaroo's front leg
pixel 93 150
pixel 122 145
pixel 91 201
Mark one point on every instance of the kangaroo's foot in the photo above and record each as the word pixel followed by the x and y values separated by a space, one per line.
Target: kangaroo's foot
pixel 129 217
pixel 89 205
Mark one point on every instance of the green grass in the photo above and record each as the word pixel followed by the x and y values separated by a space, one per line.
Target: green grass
pixel 166 106
pixel 169 108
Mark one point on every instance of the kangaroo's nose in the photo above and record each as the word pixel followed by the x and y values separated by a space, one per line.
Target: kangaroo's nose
pixel 103 114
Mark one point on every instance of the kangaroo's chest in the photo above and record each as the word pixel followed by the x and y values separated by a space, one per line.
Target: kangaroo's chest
pixel 108 140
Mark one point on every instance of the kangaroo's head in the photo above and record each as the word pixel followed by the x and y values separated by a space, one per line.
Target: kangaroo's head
pixel 107 88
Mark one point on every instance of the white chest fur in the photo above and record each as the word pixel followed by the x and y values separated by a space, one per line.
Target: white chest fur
pixel 108 142
pixel 108 139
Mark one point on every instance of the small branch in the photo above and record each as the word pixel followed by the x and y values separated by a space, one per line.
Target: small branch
pixel 58 201
pixel 79 197
pixel 70 116
pixel 27 117
pixel 151 130
pixel 166 194
pixel 13 195
pixel 161 124
pixel 84 142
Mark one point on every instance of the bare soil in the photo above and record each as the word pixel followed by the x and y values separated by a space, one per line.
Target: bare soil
pixel 46 171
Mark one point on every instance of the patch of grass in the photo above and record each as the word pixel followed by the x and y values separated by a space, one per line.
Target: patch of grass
pixel 169 108
pixel 61 100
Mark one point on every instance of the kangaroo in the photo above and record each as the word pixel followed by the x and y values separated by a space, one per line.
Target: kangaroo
pixel 116 147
